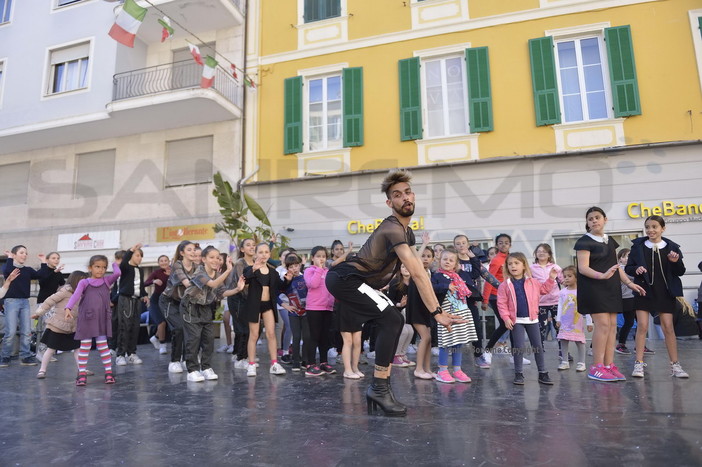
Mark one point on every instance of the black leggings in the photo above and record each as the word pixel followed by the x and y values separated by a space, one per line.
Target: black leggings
pixel 629 318
pixel 500 330
pixel 320 324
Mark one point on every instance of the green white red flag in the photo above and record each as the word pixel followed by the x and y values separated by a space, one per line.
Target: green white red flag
pixel 127 23
pixel 167 28
pixel 195 51
pixel 208 72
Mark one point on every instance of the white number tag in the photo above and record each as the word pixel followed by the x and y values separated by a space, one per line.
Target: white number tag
pixel 380 300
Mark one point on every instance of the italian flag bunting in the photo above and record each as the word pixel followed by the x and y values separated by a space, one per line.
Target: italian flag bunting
pixel 127 23
pixel 167 28
pixel 195 51
pixel 249 82
pixel 208 72
pixel 233 68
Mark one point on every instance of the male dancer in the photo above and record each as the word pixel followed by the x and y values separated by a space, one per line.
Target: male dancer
pixel 354 284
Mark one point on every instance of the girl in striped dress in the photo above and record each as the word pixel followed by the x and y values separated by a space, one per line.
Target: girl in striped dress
pixel 452 292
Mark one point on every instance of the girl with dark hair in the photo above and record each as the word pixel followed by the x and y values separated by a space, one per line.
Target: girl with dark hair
pixel 60 332
pixel 159 279
pixel 237 304
pixel 320 304
pixel 420 319
pixel 397 292
pixel 656 263
pixel 541 268
pixel 628 312
pixel 182 269
pixel 129 306
pixel 599 292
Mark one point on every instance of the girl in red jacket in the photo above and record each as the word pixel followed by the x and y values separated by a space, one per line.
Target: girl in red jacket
pixel 518 304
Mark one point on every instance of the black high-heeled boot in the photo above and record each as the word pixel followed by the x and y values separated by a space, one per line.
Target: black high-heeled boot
pixel 392 395
pixel 379 394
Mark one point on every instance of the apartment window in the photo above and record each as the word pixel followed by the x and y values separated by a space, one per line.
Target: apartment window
pixel 189 161
pixel 95 173
pixel 69 68
pixel 14 184
pixel 324 113
pixel 60 3
pixel 2 71
pixel 445 95
pixel 581 79
pixel 5 9
pixel 317 10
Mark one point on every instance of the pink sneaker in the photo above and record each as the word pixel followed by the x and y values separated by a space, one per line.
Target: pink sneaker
pixel 443 376
pixel 397 361
pixel 461 377
pixel 600 373
pixel 616 373
pixel 407 360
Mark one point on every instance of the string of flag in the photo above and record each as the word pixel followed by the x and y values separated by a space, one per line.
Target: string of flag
pixel 130 18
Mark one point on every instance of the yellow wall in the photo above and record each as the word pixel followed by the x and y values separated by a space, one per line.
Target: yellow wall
pixel 481 8
pixel 665 63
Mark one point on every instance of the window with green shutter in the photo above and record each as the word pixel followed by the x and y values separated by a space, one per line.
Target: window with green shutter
pixel 317 10
pixel 352 79
pixel 293 115
pixel 479 92
pixel 622 71
pixel 410 100
pixel 544 81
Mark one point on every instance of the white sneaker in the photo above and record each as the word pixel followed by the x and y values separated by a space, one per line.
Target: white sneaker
pixel 210 375
pixel 195 376
pixel 184 365
pixel 154 341
pixel 162 349
pixel 638 369
pixel 435 351
pixel 371 355
pixel 241 364
pixel 526 361
pixel 677 371
pixel 580 366
pixel 251 370
pixel 332 353
pixel 411 349
pixel 134 359
pixel 277 369
pixel 121 361
pixel 113 353
pixel 174 367
pixel 222 348
pixel 488 357
pixel 564 365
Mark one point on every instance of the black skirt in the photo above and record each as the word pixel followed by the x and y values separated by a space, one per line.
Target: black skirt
pixel 58 341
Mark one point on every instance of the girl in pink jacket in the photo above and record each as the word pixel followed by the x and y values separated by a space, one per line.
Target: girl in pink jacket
pixel 518 304
pixel 319 306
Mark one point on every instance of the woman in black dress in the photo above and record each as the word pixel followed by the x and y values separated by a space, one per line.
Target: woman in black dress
pixel 656 264
pixel 599 292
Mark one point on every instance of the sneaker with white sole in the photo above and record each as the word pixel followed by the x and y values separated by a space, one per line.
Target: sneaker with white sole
pixel 222 348
pixel 411 349
pixel 526 361
pixel 638 369
pixel 277 369
pixel 162 349
pixel 241 364
pixel 174 367
pixel 435 351
pixel 121 361
pixel 488 357
pixel 371 355
pixel 481 362
pixel 677 371
pixel 196 377
pixel 134 359
pixel 251 370
pixel 154 341
pixel 210 375
pixel 184 365
pixel 564 365
pixel 581 366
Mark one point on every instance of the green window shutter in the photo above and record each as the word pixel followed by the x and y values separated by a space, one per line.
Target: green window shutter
pixel 479 94
pixel 292 139
pixel 352 80
pixel 622 71
pixel 410 100
pixel 700 21
pixel 545 84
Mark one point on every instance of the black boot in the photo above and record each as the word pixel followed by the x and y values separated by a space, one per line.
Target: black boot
pixel 544 378
pixel 379 394
pixel 392 396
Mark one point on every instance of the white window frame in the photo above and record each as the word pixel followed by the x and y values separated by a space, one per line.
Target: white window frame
pixel 425 106
pixel 47 88
pixel 108 173
pixel 312 74
pixel 166 155
pixel 3 78
pixel 26 193
pixel 697 39
pixel 2 13
pixel 57 6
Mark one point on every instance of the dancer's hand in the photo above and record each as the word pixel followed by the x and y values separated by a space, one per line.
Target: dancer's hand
pixel 553 274
pixel 509 324
pixel 609 272
pixel 637 288
pixel 673 257
pixel 484 306
pixel 641 270
pixel 590 327
pixel 68 314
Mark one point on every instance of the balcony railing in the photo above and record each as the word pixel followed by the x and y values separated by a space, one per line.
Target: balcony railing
pixel 171 77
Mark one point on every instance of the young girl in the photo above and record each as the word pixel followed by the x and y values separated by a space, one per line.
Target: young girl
pixel 296 294
pixel 319 311
pixel 159 279
pixel 599 292
pixel 420 319
pixel 397 292
pixel 59 333
pixel 94 320
pixel 656 262
pixel 182 269
pixel 264 287
pixel 131 294
pixel 570 323
pixel 51 277
pixel 237 304
pixel 518 304
pixel 206 286
pixel 540 270
pixel 452 292
pixel 17 307
pixel 497 268
pixel 628 312
pixel 339 253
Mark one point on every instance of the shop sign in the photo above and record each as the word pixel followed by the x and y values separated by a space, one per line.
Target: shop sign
pixel 355 227
pixel 185 232
pixel 639 210
pixel 89 241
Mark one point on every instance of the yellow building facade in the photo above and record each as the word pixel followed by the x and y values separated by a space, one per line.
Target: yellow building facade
pixel 659 40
